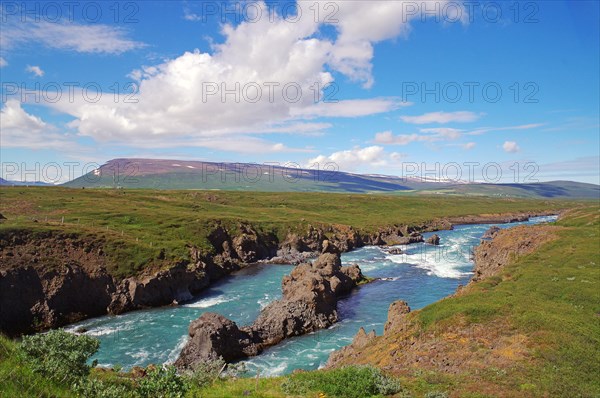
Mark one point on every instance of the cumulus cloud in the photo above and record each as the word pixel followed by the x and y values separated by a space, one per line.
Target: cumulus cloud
pixel 266 77
pixel 469 145
pixel 510 147
pixel 353 158
pixel 3 62
pixel 19 129
pixel 361 24
pixel 261 79
pixel 442 117
pixel 35 70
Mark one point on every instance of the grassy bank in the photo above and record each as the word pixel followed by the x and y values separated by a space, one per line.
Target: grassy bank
pixel 136 225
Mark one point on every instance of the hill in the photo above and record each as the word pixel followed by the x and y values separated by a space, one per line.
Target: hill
pixel 178 174
pixel 13 183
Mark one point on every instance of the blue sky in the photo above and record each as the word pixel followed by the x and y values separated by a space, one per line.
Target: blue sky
pixel 405 85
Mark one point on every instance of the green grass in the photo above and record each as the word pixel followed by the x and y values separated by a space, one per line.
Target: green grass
pixel 17 379
pixel 135 225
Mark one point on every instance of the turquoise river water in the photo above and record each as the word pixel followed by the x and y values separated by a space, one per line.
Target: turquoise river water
pixel 421 276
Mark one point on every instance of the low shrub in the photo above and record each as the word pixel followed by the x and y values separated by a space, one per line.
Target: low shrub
pixel 162 382
pixel 59 355
pixel 346 382
pixel 92 388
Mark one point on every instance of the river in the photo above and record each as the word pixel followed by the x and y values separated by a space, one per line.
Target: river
pixel 420 276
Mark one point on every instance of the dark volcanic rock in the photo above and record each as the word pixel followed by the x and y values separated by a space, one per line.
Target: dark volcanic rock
pixel 433 240
pixel 310 295
pixel 214 336
pixel 395 250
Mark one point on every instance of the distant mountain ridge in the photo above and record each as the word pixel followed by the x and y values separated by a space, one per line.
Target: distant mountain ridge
pixel 185 174
pixel 4 182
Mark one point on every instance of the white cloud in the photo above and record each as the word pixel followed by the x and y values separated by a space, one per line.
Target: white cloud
pixel 510 147
pixel 35 70
pixel 19 129
pixel 444 132
pixel 349 108
pixel 425 135
pixel 442 117
pixel 174 101
pixel 484 130
pixel 174 106
pixel 353 158
pixel 469 145
pixel 15 117
pixel 3 62
pixel 67 36
pixel 361 24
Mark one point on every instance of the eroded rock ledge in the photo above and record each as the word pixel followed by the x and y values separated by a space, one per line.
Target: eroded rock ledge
pixel 309 303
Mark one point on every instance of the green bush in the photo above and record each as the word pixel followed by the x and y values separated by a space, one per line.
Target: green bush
pixel 92 388
pixel 59 355
pixel 162 382
pixel 346 382
pixel 205 373
pixel 436 394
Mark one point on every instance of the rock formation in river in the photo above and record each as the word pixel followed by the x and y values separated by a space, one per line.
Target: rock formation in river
pixel 309 303
pixel 433 240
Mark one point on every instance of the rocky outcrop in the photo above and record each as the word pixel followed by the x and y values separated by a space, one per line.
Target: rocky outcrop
pixel 310 295
pixel 37 293
pixel 491 232
pixel 396 315
pixel 493 255
pixel 433 240
pixel 176 284
pixel 360 341
pixel 395 251
pixel 396 319
pixel 214 336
